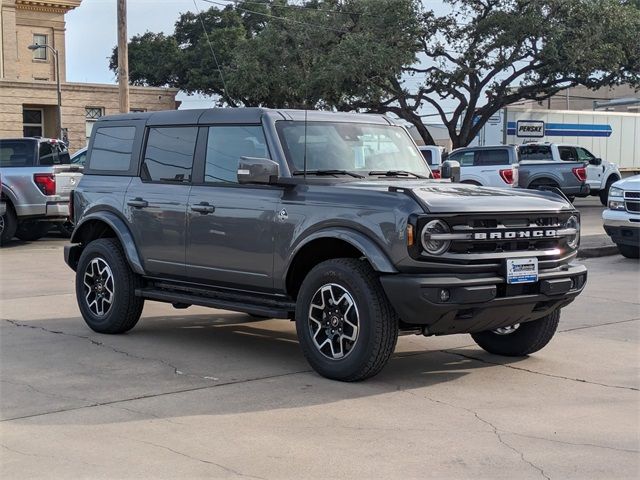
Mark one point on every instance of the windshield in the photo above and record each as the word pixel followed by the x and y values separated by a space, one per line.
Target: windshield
pixel 354 147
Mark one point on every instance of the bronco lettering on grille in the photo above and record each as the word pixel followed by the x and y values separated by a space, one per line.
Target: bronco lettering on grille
pixel 515 234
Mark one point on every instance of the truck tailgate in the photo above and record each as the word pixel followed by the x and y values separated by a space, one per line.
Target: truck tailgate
pixel 67 178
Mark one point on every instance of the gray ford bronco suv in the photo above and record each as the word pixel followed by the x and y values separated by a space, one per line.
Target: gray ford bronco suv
pixel 328 219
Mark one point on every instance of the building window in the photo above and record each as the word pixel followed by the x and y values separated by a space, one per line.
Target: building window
pixel 92 114
pixel 32 122
pixel 40 53
pixel 137 110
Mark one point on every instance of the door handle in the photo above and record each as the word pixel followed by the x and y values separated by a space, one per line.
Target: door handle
pixel 138 203
pixel 203 208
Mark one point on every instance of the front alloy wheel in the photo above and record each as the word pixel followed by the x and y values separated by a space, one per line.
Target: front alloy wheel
pixel 99 287
pixel 333 321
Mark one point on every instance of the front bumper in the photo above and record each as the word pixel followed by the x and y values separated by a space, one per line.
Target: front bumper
pixel 623 227
pixel 480 302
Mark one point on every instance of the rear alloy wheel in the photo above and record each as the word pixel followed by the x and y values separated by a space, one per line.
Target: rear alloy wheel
pixel 106 286
pixel 519 340
pixel 346 326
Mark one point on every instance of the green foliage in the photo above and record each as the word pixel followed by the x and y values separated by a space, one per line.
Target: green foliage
pixel 392 56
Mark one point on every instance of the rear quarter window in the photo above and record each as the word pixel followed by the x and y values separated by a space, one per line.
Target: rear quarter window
pixel 112 148
pixel 17 153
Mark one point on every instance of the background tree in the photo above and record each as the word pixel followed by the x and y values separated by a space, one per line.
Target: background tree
pixel 391 56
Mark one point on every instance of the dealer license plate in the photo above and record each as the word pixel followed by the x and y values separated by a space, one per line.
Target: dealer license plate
pixel 522 270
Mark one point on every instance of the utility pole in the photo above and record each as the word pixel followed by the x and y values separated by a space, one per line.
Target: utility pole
pixel 123 57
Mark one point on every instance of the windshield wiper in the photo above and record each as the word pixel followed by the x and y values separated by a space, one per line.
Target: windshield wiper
pixel 328 172
pixel 395 173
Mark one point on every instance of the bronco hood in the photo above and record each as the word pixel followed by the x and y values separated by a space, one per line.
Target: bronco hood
pixel 443 197
pixel 458 198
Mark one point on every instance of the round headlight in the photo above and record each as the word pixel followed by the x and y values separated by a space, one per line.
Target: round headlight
pixel 433 246
pixel 574 240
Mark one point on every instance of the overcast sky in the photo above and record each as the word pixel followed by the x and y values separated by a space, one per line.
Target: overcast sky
pixel 91 35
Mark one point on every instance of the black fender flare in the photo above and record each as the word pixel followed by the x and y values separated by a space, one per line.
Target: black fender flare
pixel 122 232
pixel 369 249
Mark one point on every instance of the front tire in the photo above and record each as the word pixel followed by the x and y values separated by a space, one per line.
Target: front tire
pixel 629 251
pixel 346 326
pixel 519 341
pixel 604 193
pixel 105 288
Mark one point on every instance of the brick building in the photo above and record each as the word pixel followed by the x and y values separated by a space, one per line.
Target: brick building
pixel 28 94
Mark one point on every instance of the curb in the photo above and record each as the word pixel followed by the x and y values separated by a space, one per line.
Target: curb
pixel 600 251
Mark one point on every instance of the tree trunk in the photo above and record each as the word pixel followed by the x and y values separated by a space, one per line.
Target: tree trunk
pixel 421 128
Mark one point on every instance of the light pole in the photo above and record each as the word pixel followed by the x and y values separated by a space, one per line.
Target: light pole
pixel 59 112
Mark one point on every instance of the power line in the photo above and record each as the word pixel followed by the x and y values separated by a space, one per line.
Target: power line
pixel 294 6
pixel 277 17
pixel 213 53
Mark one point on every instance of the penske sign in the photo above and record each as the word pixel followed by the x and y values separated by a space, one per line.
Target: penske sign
pixel 530 128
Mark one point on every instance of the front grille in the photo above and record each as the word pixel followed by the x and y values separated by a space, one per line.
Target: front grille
pixel 631 194
pixel 479 244
pixel 632 206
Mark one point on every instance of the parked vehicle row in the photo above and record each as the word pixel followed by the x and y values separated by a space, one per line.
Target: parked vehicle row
pixel 37 178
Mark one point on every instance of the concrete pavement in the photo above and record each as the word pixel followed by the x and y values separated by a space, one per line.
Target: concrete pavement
pixel 204 393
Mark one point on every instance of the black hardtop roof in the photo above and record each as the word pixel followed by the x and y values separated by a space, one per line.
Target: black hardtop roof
pixel 32 139
pixel 241 115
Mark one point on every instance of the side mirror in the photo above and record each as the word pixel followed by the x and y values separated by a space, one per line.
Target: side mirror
pixel 595 161
pixel 258 170
pixel 450 169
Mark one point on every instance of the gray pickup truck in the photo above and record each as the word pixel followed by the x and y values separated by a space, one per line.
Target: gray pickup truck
pixel 37 179
pixel 327 219
pixel 536 171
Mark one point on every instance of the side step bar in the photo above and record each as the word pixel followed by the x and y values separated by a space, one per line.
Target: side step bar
pixel 270 308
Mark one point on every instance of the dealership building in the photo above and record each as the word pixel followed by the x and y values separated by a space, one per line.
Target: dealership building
pixel 28 83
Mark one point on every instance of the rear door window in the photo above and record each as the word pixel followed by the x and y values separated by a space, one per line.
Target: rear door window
pixel 428 156
pixel 226 145
pixel 492 157
pixel 112 147
pixel 535 152
pixel 168 156
pixel 17 153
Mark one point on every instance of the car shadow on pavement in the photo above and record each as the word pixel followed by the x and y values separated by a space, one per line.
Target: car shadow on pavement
pixel 221 359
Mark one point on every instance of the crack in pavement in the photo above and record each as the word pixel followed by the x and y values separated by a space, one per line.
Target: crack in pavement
pixel 497 432
pixel 223 467
pixel 18 452
pixel 98 343
pixel 550 375
pixel 577 444
pixel 42 392
pixel 599 325
pixel 149 414
pixel 155 395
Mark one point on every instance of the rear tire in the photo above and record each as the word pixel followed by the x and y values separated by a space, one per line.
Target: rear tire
pixel 30 231
pixel 629 251
pixel 8 225
pixel 346 326
pixel 527 338
pixel 105 288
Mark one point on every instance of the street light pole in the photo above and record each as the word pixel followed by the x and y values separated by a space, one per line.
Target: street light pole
pixel 58 87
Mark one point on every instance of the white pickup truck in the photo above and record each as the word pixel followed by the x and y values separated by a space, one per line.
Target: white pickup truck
pixel 600 173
